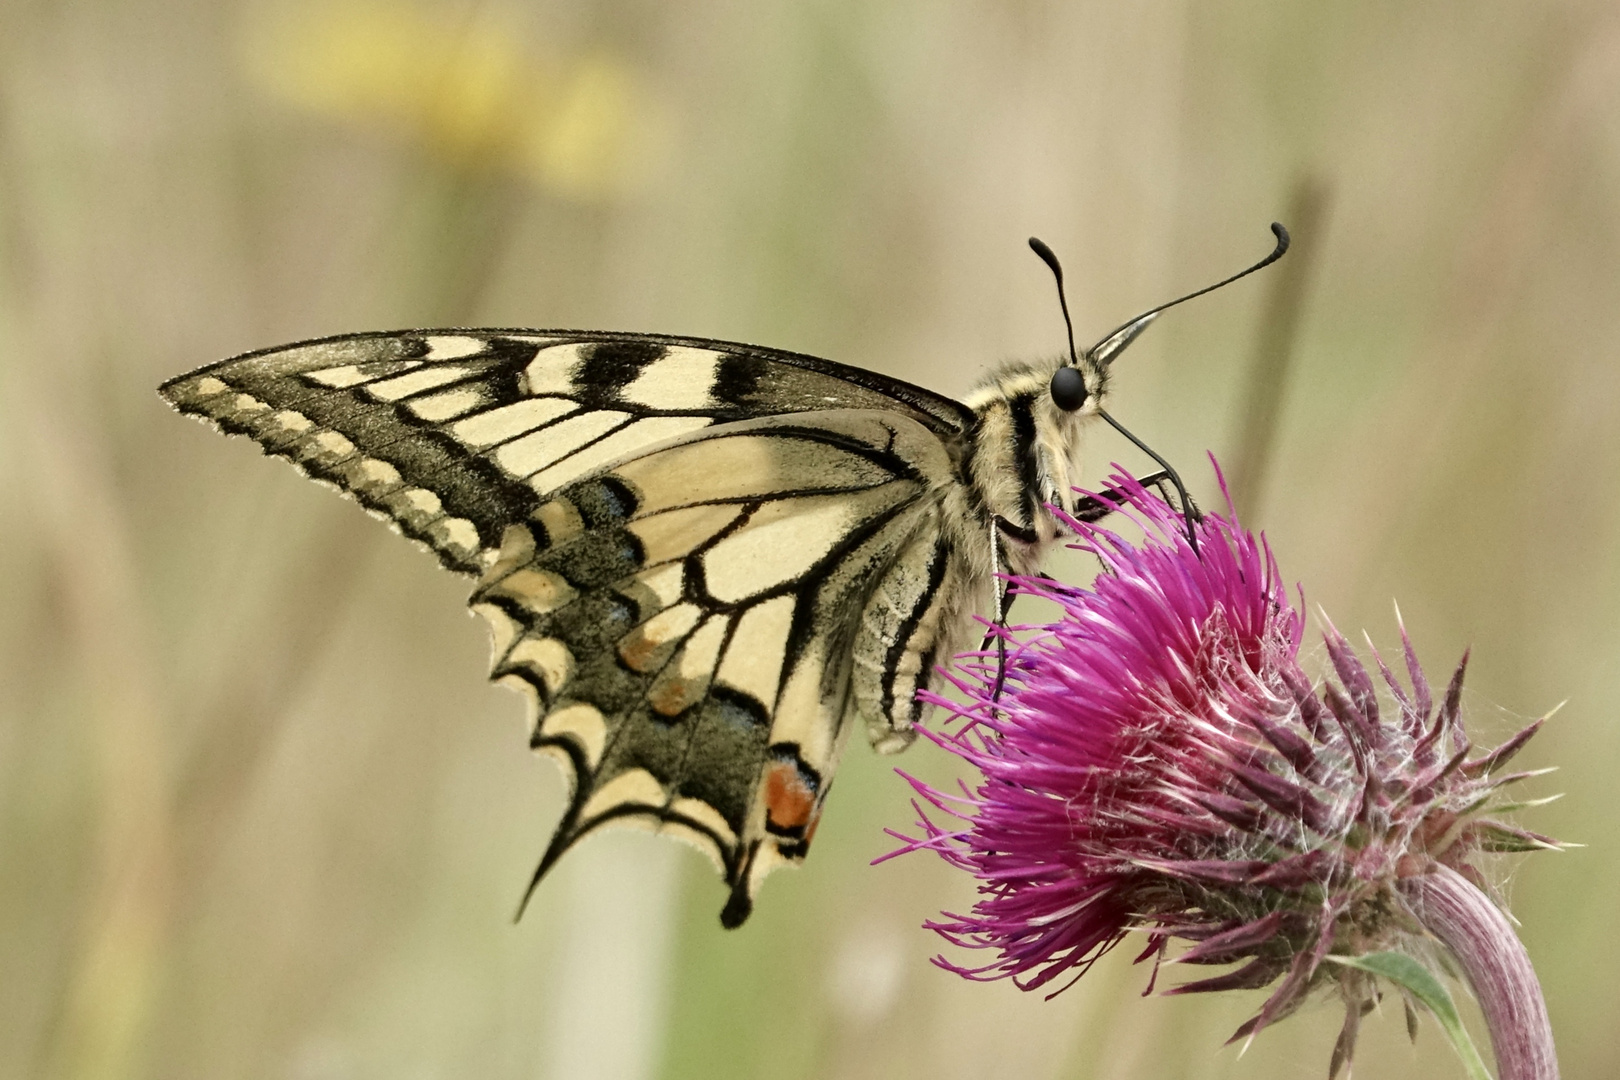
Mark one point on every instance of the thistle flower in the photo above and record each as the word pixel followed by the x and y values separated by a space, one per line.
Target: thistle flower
pixel 1158 761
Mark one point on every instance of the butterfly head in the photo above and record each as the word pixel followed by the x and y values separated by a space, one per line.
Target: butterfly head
pixel 1027 438
pixel 1080 382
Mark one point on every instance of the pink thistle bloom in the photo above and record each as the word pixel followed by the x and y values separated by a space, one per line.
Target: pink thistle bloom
pixel 1158 761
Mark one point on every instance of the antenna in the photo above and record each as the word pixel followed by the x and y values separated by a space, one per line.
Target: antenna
pixel 1140 322
pixel 1051 260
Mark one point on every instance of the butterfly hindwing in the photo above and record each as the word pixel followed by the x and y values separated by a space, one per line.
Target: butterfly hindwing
pixel 686 623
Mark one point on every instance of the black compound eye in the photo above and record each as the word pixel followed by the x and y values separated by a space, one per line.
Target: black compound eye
pixel 1068 388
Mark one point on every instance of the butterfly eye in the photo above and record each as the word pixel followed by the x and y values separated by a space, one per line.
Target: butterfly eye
pixel 1068 388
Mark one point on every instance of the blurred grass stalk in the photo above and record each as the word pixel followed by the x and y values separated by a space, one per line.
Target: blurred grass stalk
pixel 104 1001
pixel 1260 407
pixel 123 923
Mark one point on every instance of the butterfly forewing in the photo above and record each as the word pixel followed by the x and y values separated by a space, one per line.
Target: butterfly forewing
pixel 701 559
pixel 454 434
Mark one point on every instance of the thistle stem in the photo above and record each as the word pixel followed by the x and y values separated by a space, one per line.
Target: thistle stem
pixel 1465 921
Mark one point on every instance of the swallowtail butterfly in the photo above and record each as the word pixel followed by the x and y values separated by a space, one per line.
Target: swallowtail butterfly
pixel 703 562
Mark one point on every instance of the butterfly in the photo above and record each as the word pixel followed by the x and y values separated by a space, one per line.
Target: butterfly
pixel 704 563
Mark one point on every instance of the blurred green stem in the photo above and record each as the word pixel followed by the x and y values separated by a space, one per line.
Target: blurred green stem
pixel 1261 404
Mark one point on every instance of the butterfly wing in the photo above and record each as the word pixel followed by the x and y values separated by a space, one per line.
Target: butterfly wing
pixel 702 560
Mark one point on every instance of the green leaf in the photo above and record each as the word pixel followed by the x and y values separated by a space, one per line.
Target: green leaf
pixel 1421 983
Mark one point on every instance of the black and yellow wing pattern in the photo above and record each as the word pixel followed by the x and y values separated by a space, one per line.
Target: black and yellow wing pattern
pixel 700 560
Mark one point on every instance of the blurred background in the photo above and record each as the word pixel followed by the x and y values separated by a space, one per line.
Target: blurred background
pixel 260 813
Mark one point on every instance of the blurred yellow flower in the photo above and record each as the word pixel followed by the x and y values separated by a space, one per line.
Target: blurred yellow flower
pixel 467 89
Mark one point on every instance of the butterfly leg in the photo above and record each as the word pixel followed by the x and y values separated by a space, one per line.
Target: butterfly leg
pixel 1093 508
pixel 1003 602
pixel 1089 509
pixel 1004 594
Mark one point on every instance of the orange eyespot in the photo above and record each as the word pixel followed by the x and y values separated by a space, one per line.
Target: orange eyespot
pixel 789 801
